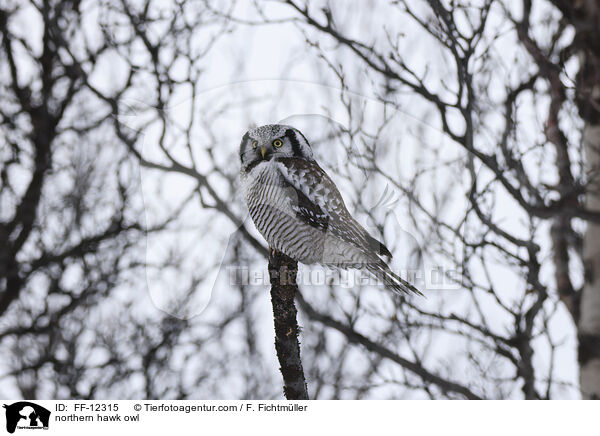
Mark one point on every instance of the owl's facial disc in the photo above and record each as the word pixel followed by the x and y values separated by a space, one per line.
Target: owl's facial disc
pixel 270 142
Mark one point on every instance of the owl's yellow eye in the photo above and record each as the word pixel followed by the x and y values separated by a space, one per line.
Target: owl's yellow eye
pixel 277 143
pixel 254 144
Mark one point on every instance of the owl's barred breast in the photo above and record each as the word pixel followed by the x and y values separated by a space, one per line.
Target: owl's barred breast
pixel 271 207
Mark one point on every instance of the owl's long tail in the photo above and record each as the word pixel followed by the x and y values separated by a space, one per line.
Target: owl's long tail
pixel 383 272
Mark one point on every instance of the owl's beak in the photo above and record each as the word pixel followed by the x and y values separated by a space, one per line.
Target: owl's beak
pixel 263 150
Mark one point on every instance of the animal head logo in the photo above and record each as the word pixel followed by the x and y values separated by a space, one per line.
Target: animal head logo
pixel 26 415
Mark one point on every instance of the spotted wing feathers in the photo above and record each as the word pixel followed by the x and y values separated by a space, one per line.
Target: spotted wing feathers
pixel 321 205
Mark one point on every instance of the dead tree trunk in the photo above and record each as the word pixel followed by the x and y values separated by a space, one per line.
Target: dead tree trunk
pixel 282 272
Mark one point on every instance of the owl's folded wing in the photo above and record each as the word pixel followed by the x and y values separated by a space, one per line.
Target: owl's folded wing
pixel 317 202
pixel 307 210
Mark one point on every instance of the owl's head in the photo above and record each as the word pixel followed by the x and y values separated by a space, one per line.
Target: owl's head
pixel 271 142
